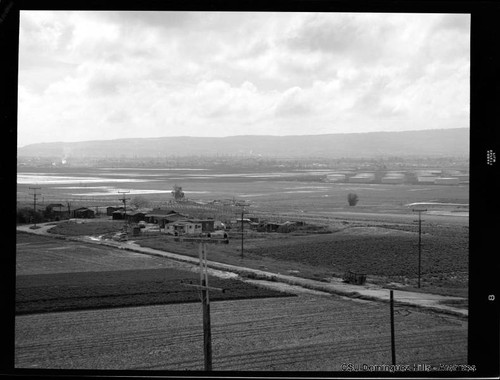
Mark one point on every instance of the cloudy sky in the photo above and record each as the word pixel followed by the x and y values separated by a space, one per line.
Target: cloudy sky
pixel 107 75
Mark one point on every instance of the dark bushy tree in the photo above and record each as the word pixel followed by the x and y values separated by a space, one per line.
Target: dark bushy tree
pixel 178 193
pixel 352 198
pixel 28 215
pixel 139 202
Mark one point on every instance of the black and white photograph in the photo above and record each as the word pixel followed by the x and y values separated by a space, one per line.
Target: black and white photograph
pixel 243 192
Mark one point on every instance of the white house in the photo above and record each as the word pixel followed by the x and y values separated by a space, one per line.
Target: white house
pixel 183 228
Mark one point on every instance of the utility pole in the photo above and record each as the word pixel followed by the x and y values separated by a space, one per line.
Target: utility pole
pixel 124 200
pixel 393 344
pixel 205 303
pixel 242 204
pixel 242 212
pixel 34 202
pixel 419 242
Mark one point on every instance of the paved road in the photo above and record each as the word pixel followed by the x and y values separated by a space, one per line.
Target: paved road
pixel 335 286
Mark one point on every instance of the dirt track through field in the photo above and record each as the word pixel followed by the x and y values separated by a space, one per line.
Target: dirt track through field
pixel 304 333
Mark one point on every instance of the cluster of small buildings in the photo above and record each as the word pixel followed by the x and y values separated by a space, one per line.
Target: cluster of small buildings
pixel 60 211
pixel 436 177
pixel 172 222
pixel 399 177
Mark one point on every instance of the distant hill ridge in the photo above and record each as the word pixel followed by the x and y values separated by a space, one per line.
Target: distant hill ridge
pixel 435 142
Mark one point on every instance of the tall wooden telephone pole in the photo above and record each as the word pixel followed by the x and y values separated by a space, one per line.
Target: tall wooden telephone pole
pixel 124 200
pixel 205 303
pixel 419 241
pixel 242 204
pixel 34 202
pixel 242 234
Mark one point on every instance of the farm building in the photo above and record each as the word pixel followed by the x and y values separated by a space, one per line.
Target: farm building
pixel 268 227
pixel 83 212
pixel 118 215
pixel 335 177
pixel 218 225
pixel 111 209
pixel 426 179
pixel 207 225
pixel 183 228
pixel 162 217
pixel 135 216
pixel 56 211
pixel 247 224
pixel 54 207
pixel 447 181
pixel 428 173
pixel 394 178
pixel 363 178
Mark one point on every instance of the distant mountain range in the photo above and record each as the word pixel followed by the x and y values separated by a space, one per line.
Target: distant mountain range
pixel 436 142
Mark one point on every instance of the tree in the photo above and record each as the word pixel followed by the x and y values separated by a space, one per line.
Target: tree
pixel 28 215
pixel 178 193
pixel 139 202
pixel 352 198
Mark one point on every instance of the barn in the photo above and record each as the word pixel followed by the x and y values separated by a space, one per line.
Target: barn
pixel 135 216
pixel 118 215
pixel 162 217
pixel 83 213
pixel 111 209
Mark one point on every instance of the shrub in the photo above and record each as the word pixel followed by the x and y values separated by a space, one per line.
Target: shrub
pixel 28 215
pixel 352 198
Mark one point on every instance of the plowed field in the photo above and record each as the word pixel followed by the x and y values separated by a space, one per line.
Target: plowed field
pixel 97 290
pixel 304 333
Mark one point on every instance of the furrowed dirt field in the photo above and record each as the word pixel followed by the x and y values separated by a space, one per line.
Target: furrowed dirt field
pixel 308 332
pixel 86 289
pixel 304 333
pixel 386 253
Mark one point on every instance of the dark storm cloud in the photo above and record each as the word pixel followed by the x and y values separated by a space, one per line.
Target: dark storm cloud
pixel 157 19
pixel 343 35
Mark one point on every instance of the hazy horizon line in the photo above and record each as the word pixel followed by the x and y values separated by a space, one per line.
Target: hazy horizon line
pixel 246 135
